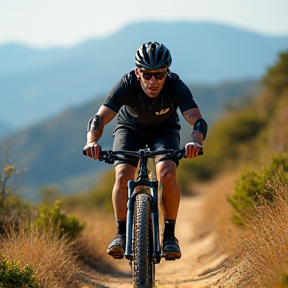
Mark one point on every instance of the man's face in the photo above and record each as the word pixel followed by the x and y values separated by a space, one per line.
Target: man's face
pixel 151 81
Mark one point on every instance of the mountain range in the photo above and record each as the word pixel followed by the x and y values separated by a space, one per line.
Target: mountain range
pixel 47 96
pixel 36 85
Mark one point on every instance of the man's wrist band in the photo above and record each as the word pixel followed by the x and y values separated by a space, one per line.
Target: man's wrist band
pixel 200 126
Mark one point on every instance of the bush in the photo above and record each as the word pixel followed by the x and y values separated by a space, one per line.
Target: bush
pixel 233 134
pixel 69 226
pixel 53 259
pixel 276 78
pixel 13 274
pixel 230 142
pixel 253 186
pixel 13 209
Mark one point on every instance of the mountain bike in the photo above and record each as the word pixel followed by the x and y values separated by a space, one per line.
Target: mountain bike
pixel 143 248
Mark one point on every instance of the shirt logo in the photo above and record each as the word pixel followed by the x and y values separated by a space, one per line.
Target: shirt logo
pixel 163 111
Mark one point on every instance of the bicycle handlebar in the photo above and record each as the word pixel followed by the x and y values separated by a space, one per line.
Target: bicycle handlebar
pixel 110 156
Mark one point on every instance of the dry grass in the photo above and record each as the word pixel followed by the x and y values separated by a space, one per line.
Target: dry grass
pixel 257 256
pixel 91 245
pixel 52 259
pixel 216 210
pixel 262 259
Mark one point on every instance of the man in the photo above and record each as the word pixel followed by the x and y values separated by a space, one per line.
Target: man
pixel 146 100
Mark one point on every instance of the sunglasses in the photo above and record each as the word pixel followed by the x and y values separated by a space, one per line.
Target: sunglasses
pixel 157 75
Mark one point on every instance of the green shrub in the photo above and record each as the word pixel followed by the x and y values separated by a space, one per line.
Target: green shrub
pixel 14 274
pixel 51 217
pixel 14 209
pixel 254 185
pixel 275 79
pixel 233 135
pixel 229 142
pixel 192 170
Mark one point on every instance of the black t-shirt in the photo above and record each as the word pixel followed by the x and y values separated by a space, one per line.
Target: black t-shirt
pixel 137 112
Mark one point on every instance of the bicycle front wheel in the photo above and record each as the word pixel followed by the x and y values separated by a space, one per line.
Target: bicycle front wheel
pixel 143 268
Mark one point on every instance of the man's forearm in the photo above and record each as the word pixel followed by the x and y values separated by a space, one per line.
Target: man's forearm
pixel 197 137
pixel 95 128
pixel 93 135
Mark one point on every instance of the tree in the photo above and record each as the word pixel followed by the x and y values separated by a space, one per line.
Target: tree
pixel 10 177
pixel 276 79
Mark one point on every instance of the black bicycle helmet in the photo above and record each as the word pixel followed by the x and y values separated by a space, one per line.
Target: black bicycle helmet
pixel 153 55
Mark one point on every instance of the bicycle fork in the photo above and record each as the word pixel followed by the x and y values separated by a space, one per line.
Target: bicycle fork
pixel 153 197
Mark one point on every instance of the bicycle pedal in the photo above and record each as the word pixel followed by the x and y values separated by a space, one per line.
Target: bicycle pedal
pixel 116 253
pixel 171 256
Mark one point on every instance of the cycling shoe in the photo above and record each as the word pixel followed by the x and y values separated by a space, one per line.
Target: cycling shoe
pixel 171 249
pixel 117 247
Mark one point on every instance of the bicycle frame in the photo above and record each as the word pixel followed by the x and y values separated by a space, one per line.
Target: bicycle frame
pixel 143 180
pixel 148 196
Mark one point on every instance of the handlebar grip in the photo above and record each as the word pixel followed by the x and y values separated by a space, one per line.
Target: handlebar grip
pixel 199 154
pixel 84 152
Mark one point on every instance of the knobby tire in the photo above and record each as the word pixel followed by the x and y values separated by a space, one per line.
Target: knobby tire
pixel 143 268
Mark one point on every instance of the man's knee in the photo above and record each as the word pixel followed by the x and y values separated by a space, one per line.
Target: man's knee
pixel 166 171
pixel 123 173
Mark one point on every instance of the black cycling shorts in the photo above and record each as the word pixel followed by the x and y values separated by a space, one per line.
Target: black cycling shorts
pixel 129 139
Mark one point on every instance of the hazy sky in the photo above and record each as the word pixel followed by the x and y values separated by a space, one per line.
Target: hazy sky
pixel 46 23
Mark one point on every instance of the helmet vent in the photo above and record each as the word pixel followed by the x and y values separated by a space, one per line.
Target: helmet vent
pixel 153 55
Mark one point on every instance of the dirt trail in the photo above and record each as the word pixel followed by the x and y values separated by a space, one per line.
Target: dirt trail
pixel 195 250
pixel 198 266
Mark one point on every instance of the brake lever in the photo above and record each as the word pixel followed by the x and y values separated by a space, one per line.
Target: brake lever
pixel 183 154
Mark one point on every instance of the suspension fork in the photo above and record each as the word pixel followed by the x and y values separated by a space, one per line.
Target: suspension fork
pixel 153 196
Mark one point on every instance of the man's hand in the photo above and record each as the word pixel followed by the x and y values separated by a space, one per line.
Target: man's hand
pixel 193 149
pixel 92 150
